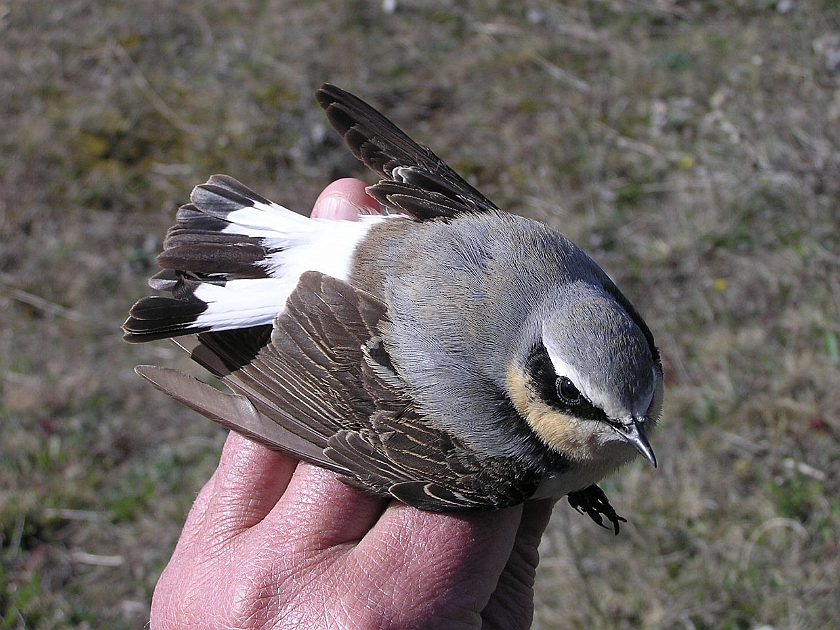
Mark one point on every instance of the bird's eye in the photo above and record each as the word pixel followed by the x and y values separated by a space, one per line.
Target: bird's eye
pixel 567 391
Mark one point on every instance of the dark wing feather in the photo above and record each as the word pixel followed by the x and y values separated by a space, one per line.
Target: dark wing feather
pixel 233 412
pixel 426 187
pixel 403 455
pixel 324 377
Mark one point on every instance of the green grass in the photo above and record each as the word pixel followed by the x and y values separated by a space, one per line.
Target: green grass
pixel 691 148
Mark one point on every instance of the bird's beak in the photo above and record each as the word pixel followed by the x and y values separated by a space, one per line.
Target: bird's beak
pixel 634 433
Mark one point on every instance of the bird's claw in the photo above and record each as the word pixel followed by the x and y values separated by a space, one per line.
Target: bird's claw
pixel 592 501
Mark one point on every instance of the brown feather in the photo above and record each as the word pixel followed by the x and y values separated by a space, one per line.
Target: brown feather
pixel 415 180
pixel 323 377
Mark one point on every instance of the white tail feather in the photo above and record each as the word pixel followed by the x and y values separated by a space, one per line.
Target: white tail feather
pixel 218 281
pixel 309 245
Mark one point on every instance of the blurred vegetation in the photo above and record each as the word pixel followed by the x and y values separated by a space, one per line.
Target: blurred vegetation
pixel 691 146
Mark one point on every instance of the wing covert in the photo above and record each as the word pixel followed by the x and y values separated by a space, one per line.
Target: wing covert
pixel 324 377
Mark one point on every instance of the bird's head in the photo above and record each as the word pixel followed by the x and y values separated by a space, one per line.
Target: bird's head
pixel 588 379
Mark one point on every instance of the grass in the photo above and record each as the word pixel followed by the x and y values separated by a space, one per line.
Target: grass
pixel 691 147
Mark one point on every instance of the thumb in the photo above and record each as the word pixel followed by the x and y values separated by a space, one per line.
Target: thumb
pixel 345 199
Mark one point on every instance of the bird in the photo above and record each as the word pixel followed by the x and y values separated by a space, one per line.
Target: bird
pixel 444 353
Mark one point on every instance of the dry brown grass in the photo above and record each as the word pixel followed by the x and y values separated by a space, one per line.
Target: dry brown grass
pixel 693 147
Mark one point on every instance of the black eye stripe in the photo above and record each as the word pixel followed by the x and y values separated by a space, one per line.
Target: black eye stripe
pixel 547 385
pixel 540 373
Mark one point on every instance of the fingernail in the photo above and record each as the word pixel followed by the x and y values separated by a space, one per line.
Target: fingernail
pixel 338 208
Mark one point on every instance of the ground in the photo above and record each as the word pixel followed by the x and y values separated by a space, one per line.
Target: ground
pixel 692 147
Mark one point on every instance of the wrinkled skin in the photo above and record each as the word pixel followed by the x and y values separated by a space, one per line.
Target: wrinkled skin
pixel 275 543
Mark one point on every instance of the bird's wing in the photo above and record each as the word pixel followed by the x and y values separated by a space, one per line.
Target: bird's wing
pixel 415 180
pixel 320 387
pixel 403 455
pixel 234 412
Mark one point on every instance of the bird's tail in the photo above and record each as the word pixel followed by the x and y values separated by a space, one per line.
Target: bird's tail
pixel 232 260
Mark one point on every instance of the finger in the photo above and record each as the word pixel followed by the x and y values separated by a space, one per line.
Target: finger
pixel 319 511
pixel 345 199
pixel 438 554
pixel 521 566
pixel 194 525
pixel 512 603
pixel 246 486
pixel 535 518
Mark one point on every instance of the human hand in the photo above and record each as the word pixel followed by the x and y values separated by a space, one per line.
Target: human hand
pixel 276 543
